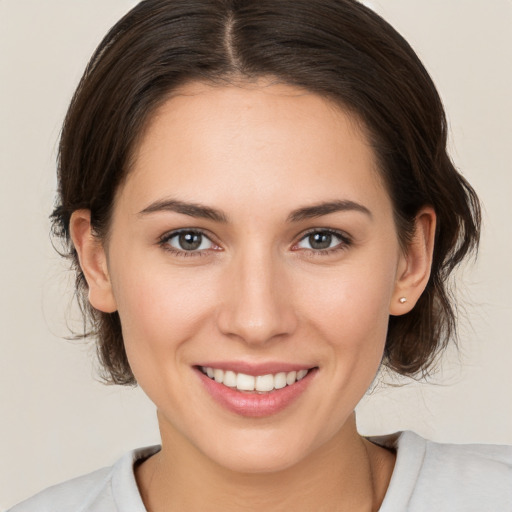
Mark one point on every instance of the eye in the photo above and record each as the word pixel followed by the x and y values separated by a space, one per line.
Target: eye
pixel 187 241
pixel 323 240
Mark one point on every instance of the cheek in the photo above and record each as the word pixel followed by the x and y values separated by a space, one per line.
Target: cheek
pixel 351 317
pixel 349 310
pixel 160 308
pixel 352 305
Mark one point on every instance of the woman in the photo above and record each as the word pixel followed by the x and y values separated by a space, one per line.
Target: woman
pixel 261 211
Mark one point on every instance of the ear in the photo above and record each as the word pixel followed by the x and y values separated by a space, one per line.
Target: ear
pixel 93 261
pixel 415 263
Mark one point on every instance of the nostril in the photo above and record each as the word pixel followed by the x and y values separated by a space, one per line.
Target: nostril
pixel 256 327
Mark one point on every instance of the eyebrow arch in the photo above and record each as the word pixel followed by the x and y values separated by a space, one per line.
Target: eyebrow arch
pixel 318 210
pixel 190 209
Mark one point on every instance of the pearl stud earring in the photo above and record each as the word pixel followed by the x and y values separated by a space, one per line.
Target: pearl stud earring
pixel 402 300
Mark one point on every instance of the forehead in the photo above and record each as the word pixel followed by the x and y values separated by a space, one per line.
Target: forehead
pixel 259 139
pixel 235 109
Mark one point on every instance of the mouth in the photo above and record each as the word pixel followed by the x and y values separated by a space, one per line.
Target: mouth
pixel 259 395
pixel 250 383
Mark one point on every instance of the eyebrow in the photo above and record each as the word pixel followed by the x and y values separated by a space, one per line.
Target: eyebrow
pixel 318 210
pixel 206 212
pixel 190 209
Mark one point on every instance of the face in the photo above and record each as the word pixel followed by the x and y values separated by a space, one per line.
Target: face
pixel 253 241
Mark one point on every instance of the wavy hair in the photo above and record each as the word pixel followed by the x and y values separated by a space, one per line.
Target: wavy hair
pixel 338 49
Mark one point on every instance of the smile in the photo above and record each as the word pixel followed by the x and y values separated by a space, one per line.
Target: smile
pixel 268 391
pixel 259 383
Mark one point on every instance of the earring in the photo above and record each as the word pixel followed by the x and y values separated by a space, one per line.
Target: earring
pixel 402 300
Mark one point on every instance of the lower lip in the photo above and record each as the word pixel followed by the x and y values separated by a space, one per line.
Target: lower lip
pixel 256 405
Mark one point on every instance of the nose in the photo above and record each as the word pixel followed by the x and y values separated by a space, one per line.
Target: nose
pixel 257 303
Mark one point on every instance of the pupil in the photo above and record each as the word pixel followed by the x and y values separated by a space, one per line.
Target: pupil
pixel 320 240
pixel 190 241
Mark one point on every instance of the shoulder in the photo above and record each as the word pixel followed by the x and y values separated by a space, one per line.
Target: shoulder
pixel 75 494
pixel 476 477
pixel 452 477
pixel 106 490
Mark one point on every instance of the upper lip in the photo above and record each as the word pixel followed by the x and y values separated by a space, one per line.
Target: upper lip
pixel 255 369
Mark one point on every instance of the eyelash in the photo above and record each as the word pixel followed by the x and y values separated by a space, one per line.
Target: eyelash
pixel 164 243
pixel 345 242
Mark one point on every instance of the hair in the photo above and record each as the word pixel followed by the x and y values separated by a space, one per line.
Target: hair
pixel 338 49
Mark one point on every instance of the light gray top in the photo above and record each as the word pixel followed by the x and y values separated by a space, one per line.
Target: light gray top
pixel 427 477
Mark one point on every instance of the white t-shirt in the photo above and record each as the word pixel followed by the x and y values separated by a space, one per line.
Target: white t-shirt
pixel 428 477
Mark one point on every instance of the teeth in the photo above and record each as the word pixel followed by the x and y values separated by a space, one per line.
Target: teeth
pixel 291 377
pixel 280 380
pixel 265 382
pixel 229 379
pixel 245 382
pixel 261 383
pixel 301 374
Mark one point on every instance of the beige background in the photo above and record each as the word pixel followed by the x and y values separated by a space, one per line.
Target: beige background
pixel 56 421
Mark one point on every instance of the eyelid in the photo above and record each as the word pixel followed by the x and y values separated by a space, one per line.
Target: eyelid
pixel 164 239
pixel 346 240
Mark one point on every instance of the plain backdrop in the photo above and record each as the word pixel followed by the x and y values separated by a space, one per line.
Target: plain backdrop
pixel 56 420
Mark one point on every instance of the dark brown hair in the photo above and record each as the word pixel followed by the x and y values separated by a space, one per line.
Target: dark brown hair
pixel 336 48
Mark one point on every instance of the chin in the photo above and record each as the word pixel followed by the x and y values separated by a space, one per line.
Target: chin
pixel 257 461
pixel 251 451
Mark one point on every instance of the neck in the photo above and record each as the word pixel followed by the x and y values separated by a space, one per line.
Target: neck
pixel 346 473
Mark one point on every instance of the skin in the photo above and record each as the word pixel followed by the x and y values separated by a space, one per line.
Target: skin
pixel 256 291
